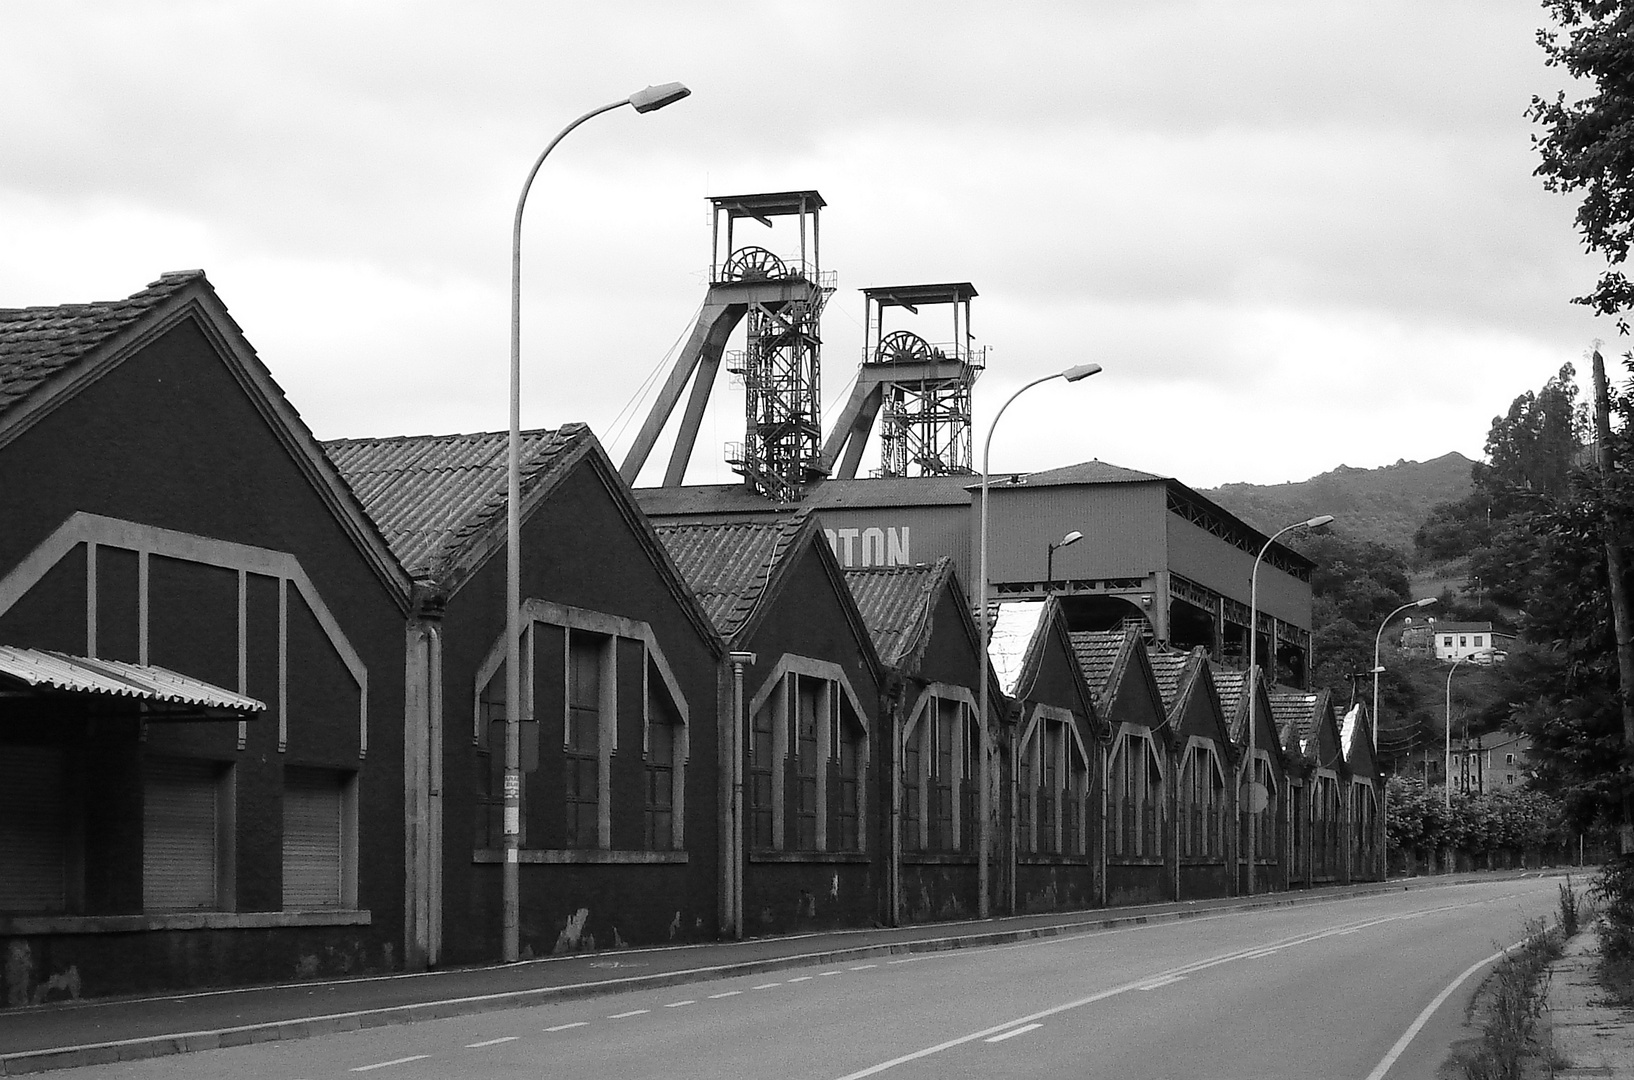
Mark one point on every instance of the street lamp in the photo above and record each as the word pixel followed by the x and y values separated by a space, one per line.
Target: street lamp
pixel 1049 560
pixel 1425 602
pixel 1253 665
pixel 1071 374
pixel 653 97
pixel 1446 784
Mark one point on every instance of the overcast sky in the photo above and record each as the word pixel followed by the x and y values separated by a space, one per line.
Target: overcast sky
pixel 1296 234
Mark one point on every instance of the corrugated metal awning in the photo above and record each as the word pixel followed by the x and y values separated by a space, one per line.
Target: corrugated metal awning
pixel 45 674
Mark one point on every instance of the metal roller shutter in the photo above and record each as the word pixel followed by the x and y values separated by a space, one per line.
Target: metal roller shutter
pixel 312 840
pixel 32 845
pixel 179 835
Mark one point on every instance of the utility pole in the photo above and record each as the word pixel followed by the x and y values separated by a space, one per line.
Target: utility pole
pixel 1615 570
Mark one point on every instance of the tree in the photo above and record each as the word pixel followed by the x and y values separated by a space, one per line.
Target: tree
pixel 1587 145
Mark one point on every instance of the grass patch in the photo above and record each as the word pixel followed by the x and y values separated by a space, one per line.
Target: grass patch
pixel 1510 1005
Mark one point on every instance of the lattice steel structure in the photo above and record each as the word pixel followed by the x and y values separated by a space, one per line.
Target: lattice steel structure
pixel 919 391
pixel 781 299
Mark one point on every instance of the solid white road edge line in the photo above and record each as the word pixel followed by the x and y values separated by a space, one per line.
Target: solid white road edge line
pixel 1407 1036
pixel 1302 939
pixel 1429 1011
pixel 1013 1032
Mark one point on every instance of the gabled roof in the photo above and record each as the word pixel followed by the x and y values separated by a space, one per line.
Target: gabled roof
pixel 38 342
pixel 1168 668
pixel 1230 685
pixel 1300 718
pixel 896 603
pixel 432 494
pixel 729 565
pixel 1098 653
pixel 1108 659
pixel 1085 472
pixel 49 354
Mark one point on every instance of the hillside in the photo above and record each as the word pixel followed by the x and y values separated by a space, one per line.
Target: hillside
pixel 1384 505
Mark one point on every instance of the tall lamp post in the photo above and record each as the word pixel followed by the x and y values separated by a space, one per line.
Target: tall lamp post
pixel 643 101
pixel 1446 785
pixel 1049 559
pixel 1071 374
pixel 1253 666
pixel 1377 670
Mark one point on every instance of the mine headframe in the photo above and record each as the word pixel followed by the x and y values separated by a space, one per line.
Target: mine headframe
pixel 918 389
pixel 780 299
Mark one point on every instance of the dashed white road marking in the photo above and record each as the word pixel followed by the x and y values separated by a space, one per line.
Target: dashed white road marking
pixel 574 1024
pixel 1013 1032
pixel 800 978
pixel 492 1042
pixel 765 986
pixel 828 972
pixel 678 1004
pixel 383 1064
pixel 729 993
pixel 862 967
pixel 632 1012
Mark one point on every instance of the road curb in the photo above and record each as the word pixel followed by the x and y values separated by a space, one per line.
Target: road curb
pixel 104 1053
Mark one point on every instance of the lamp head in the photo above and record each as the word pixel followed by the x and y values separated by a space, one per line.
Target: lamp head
pixel 656 97
pixel 1082 371
pixel 1317 522
pixel 1426 602
pixel 1071 538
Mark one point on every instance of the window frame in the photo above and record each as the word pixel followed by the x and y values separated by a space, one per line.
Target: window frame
pixel 613 629
pixel 775 698
pixel 922 742
pixel 1134 846
pixel 1052 731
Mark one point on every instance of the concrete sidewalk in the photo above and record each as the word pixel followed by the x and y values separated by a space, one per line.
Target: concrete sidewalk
pixel 1591 1036
pixel 69 1034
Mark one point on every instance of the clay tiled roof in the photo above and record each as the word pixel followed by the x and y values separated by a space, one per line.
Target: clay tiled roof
pixel 1168 667
pixel 1295 714
pixel 1097 652
pixel 38 342
pixel 729 565
pixel 1228 687
pixel 432 494
pixel 896 604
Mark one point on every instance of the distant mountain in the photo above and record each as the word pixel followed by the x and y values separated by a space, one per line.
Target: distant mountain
pixel 1384 505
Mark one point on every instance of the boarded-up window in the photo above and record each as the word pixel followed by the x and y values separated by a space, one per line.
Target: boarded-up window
pixel 33 813
pixel 180 839
pixel 318 854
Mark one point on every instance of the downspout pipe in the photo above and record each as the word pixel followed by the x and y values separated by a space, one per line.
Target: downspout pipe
pixel 734 825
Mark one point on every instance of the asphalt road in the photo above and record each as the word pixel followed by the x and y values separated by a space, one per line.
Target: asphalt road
pixel 1325 990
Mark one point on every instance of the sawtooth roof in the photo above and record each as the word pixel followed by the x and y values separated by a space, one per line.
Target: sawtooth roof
pixel 1228 687
pixel 729 565
pixel 896 603
pixel 431 494
pixel 38 342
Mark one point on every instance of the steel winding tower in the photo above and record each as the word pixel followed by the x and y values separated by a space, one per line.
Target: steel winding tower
pixel 781 297
pixel 919 391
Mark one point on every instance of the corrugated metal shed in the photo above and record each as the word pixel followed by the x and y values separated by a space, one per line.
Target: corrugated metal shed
pixel 55 672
